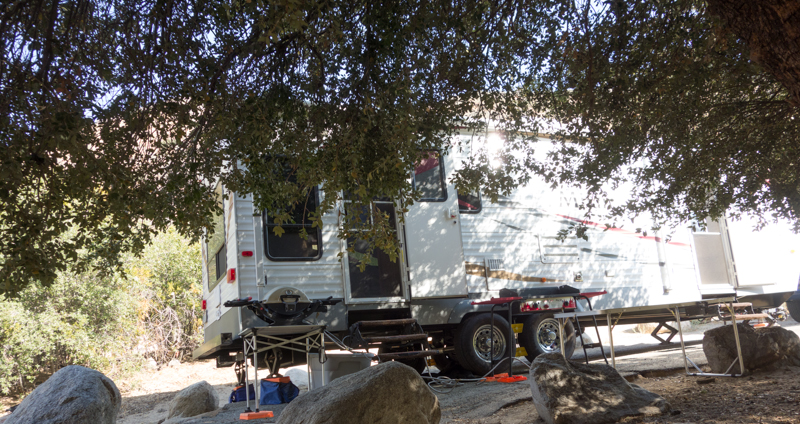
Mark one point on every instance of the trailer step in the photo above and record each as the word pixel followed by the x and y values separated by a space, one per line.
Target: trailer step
pixel 386 322
pixel 408 355
pixel 392 335
pixel 396 339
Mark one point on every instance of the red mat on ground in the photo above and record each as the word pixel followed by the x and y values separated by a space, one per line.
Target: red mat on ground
pixel 255 415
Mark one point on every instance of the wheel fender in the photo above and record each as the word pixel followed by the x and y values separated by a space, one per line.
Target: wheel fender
pixel 466 308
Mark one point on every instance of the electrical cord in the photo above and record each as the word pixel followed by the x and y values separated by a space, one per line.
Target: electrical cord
pixel 444 384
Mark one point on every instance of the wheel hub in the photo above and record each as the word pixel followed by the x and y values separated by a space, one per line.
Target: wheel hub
pixel 488 343
pixel 548 335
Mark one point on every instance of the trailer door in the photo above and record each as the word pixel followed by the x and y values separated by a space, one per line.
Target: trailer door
pixel 433 233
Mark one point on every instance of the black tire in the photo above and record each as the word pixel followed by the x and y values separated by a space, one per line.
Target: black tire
pixel 473 343
pixel 418 364
pixel 540 335
pixel 793 306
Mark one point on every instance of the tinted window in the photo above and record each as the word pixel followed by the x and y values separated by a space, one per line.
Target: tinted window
pixel 469 202
pixel 292 244
pixel 429 178
pixel 215 245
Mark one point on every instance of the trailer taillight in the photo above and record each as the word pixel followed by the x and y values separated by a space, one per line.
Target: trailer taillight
pixel 247 253
pixel 232 275
pixel 204 305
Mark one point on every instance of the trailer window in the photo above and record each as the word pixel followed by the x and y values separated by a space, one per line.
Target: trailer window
pixel 215 245
pixel 469 202
pixel 429 178
pixel 292 245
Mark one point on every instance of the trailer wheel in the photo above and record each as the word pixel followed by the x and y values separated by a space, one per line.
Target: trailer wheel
pixel 476 342
pixel 794 309
pixel 540 335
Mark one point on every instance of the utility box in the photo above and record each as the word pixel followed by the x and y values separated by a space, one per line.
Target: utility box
pixel 336 365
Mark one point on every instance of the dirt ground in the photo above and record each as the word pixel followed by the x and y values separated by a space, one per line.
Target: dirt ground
pixel 768 397
pixel 763 397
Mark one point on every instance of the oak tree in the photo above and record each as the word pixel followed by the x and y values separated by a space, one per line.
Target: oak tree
pixel 118 115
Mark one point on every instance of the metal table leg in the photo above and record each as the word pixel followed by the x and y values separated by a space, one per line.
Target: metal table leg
pixel 249 344
pixel 611 341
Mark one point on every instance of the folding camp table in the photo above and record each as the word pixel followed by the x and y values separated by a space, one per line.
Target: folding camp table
pixel 652 313
pixel 299 338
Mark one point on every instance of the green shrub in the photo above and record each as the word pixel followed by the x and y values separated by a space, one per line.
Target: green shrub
pixel 81 319
pixel 106 322
pixel 169 274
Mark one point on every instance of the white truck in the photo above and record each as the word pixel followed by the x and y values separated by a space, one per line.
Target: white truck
pixel 459 249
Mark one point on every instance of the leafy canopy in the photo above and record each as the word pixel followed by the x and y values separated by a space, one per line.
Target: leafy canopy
pixel 118 114
pixel 663 86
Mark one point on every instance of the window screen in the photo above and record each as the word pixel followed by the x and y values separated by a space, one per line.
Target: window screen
pixel 429 178
pixel 292 245
pixel 381 276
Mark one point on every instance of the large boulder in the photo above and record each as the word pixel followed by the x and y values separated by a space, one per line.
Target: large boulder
pixel 196 399
pixel 388 393
pixel 73 395
pixel 761 347
pixel 571 392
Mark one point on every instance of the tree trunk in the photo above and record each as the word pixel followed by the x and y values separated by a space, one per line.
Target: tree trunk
pixel 771 29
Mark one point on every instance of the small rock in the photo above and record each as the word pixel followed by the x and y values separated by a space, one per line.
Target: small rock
pixel 575 393
pixel 151 364
pixel 196 399
pixel 174 363
pixel 74 394
pixel 706 380
pixel 299 377
pixel 633 377
pixel 388 393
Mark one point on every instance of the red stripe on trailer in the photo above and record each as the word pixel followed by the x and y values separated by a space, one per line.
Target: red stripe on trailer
pixel 620 230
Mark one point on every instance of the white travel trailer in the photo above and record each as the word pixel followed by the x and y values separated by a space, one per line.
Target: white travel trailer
pixel 459 249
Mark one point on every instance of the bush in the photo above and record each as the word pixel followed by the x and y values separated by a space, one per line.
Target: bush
pixel 170 276
pixel 81 319
pixel 105 322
